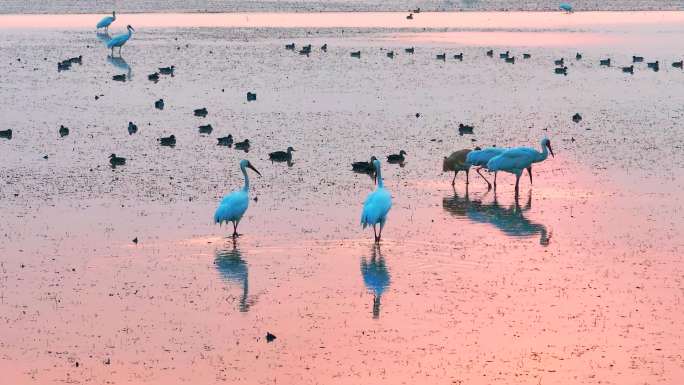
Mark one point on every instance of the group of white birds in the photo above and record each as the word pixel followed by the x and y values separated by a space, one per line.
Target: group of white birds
pixel 379 202
pixel 119 40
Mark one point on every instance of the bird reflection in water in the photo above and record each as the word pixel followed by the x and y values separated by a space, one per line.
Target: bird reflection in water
pixel 510 220
pixel 376 277
pixel 120 63
pixel 234 269
pixel 104 37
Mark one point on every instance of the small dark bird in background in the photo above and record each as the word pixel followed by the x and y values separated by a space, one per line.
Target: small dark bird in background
pixel 226 141
pixel 201 112
pixel 244 145
pixel 577 118
pixel 251 96
pixel 63 131
pixel 116 160
pixel 169 141
pixel 119 78
pixel 206 129
pixel 132 128
pixel 159 104
pixel 465 129
pixel 6 134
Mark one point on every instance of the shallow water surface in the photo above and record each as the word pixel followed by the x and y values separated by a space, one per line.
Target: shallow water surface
pixel 579 281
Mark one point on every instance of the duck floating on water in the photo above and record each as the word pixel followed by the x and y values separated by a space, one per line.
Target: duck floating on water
pixel 116 160
pixel 504 55
pixel 168 141
pixel 167 70
pixel 390 54
pixel 206 129
pixel 251 96
pixel 119 78
pixel 6 134
pixel 410 50
pixel 577 118
pixel 356 54
pixel 201 112
pixel 159 104
pixel 629 70
pixel 578 56
pixel 561 71
pixel 226 141
pixel 244 145
pixel 604 62
pixel 637 59
pixel 559 62
pixel 397 158
pixel 153 77
pixel 281 156
pixel 441 56
pixel 465 129
pixel 324 47
pixel 63 131
pixel 132 128
pixel 365 167
pixel 490 53
pixel 290 46
pixel 655 66
pixel 526 56
pixel 510 59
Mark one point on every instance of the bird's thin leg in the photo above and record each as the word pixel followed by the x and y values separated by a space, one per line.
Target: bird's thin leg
pixel 235 234
pixel 467 180
pixel 375 234
pixel 495 173
pixel 453 181
pixel 489 185
pixel 382 224
pixel 529 172
pixel 517 183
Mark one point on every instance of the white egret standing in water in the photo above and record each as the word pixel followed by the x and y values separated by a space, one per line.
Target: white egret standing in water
pixel 377 205
pixel 234 205
pixel 106 21
pixel 120 40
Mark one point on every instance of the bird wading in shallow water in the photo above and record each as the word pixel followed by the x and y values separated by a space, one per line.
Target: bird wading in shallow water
pixel 106 21
pixel 480 158
pixel 234 205
pixel 377 205
pixel 120 40
pixel 517 159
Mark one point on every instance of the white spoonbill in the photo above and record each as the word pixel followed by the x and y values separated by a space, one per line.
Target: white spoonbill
pixel 120 40
pixel 515 160
pixel 377 205
pixel 106 21
pixel 234 205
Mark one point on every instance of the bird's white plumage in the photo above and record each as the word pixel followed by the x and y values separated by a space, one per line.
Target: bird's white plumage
pixel 105 22
pixel 232 207
pixel 375 208
pixel 481 157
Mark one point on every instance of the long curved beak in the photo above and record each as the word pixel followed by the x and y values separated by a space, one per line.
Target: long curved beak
pixel 550 150
pixel 254 169
pixel 132 29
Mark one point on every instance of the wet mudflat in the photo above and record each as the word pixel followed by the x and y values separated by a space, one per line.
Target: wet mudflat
pixel 580 282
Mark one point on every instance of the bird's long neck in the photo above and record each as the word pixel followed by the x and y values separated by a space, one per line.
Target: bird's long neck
pixel 245 188
pixel 544 153
pixel 378 175
pixel 130 32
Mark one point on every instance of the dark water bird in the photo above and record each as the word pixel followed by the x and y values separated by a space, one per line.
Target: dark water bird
pixel 417 10
pixel 376 277
pixel 390 54
pixel 637 59
pixel 480 157
pixel 76 60
pixel 510 59
pixel 459 56
pixel 304 51
pixel 409 17
pixel 464 129
pixel 441 56
pixel 365 167
pixel 577 118
pixel 356 54
pixel 206 129
pixel 159 104
pixel 119 78
pixel 678 64
pixel 457 162
pixel 604 62
pixel 153 77
pixel 226 141
pixel 526 56
pixel 116 160
pixel 377 205
pixel 63 66
pixel 132 128
pixel 201 112
pixel 509 220
pixel 167 70
pixel 504 55
pixel 244 145
pixel 251 96
pixel 655 66
pixel 169 141
pixel 490 53
pixel 63 131
pixel 281 156
pixel 410 50
pixel 516 160
pixel 135 240
pixel 234 205
pixel 290 46
pixel 397 158
pixel 270 337
pixel 6 134
pixel 578 56
pixel 559 62
pixel 561 70
pixel 307 47
pixel 234 269
pixel 324 47
pixel 629 69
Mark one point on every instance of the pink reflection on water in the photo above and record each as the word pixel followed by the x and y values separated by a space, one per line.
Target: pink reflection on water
pixel 461 20
pixel 511 39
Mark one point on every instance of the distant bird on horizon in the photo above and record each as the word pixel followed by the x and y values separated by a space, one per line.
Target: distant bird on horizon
pixel 106 21
pixel 234 205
